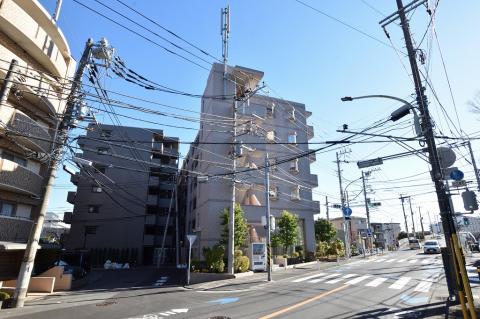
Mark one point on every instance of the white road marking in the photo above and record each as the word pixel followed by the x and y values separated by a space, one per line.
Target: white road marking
pixel 427 261
pixel 424 286
pixel 324 278
pixel 357 280
pixel 380 260
pixel 333 281
pixel 376 282
pixel 390 260
pixel 412 261
pixel 402 260
pixel 400 283
pixel 309 277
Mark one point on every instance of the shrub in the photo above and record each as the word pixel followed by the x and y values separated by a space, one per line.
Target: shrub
pixel 322 248
pixel 242 264
pixel 195 265
pixel 4 296
pixel 214 258
pixel 295 254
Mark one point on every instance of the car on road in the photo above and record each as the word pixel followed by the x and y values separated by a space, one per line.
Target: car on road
pixel 431 246
pixel 414 243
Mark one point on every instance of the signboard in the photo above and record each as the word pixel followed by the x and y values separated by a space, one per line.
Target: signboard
pixel 347 211
pixel 456 175
pixel 371 162
pixel 191 239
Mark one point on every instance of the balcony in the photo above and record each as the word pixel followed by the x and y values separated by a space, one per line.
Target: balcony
pixel 16 178
pixel 14 229
pixel 31 27
pixel 313 180
pixel 312 157
pixel 34 136
pixel 71 197
pixel 310 133
pixel 159 150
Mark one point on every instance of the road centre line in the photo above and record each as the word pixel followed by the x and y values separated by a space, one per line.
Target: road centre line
pixel 302 303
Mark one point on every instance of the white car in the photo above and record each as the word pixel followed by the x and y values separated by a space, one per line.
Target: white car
pixel 431 246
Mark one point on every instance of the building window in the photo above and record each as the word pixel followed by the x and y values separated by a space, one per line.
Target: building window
pixel 295 193
pixel 270 136
pixel 294 166
pixel 273 192
pixel 90 230
pixel 149 230
pixel 7 209
pixel 14 158
pixel 292 138
pixel 93 209
pixel 291 114
pixel 96 189
pixel 100 168
pixel 271 110
pixel 102 151
pixel 106 133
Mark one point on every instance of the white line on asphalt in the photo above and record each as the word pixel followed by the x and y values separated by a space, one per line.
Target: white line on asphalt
pixel 380 260
pixel 309 277
pixel 424 286
pixel 324 278
pixel 333 281
pixel 402 260
pixel 376 282
pixel 357 280
pixel 412 261
pixel 400 283
pixel 427 261
pixel 390 260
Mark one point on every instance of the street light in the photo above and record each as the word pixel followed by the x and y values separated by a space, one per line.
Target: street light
pixel 397 114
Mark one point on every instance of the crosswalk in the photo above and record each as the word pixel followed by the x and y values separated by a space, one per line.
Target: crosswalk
pixel 410 261
pixel 395 283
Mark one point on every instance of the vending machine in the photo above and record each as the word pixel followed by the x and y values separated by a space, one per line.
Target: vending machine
pixel 258 257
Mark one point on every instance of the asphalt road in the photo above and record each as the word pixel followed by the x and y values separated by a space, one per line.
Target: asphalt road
pixel 403 284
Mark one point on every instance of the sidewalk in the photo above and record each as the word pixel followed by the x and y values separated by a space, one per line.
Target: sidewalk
pixel 259 279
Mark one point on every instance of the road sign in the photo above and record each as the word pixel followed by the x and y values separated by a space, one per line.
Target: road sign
pixel 461 183
pixel 347 211
pixel 371 162
pixel 456 175
pixel 191 238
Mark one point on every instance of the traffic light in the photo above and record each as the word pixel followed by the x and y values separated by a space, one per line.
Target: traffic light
pixel 469 201
pixel 466 222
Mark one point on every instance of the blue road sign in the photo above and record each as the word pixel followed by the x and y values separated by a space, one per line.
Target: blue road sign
pixel 347 211
pixel 456 175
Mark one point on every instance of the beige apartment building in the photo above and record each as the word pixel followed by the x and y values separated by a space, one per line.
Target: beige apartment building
pixel 29 117
pixel 263 125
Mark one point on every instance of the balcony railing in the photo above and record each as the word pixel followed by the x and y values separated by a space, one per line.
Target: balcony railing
pixel 14 229
pixel 31 134
pixel 17 178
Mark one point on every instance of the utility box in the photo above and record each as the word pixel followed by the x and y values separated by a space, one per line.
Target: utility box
pixel 257 253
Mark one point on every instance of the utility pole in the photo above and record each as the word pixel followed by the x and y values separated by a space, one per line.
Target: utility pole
pixel 421 222
pixel 225 32
pixel 326 205
pixel 345 221
pixel 457 259
pixel 474 164
pixel 367 208
pixel 267 214
pixel 413 221
pixel 402 198
pixel 7 83
pixel 32 245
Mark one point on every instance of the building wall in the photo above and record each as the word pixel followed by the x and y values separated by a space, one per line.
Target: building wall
pixel 205 201
pixel 133 202
pixel 28 34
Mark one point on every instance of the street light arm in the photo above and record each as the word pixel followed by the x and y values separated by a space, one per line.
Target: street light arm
pixel 381 96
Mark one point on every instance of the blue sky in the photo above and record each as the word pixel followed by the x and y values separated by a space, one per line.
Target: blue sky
pixel 309 58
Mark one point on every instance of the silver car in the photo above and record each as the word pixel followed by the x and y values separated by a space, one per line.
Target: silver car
pixel 431 246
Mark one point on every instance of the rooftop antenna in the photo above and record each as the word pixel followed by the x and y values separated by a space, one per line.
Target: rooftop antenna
pixel 225 32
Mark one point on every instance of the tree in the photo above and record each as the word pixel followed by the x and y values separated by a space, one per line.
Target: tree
pixel 324 230
pixel 241 228
pixel 287 229
pixel 402 235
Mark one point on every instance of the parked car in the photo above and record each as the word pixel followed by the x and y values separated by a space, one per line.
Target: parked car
pixel 414 243
pixel 432 246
